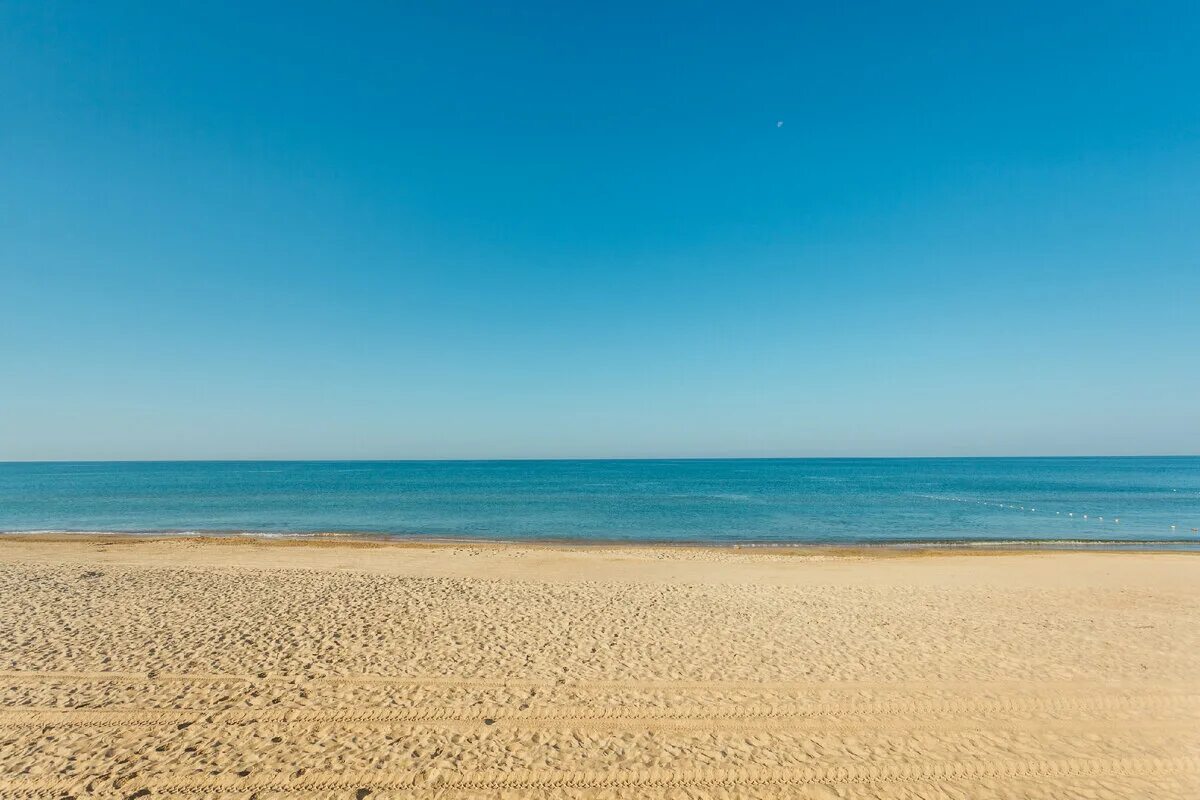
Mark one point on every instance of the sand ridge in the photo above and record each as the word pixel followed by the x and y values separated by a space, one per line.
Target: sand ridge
pixel 192 668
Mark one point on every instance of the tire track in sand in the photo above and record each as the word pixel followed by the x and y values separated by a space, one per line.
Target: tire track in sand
pixel 535 779
pixel 929 712
pixel 665 684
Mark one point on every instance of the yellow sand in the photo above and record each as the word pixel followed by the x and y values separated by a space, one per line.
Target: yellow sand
pixel 200 668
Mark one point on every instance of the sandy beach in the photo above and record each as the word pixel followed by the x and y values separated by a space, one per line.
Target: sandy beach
pixel 244 668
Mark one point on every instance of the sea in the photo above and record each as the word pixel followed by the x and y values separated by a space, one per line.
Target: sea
pixel 1133 501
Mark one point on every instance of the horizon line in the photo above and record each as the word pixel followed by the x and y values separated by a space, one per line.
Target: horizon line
pixel 572 458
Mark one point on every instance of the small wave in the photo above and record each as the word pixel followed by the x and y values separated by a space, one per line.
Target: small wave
pixel 62 532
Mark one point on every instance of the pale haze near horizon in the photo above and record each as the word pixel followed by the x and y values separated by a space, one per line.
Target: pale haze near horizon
pixel 462 233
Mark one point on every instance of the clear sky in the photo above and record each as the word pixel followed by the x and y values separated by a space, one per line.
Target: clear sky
pixel 442 230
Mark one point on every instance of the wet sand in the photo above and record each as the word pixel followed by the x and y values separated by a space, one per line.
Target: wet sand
pixel 242 668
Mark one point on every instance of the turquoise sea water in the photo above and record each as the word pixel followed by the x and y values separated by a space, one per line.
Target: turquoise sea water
pixel 760 501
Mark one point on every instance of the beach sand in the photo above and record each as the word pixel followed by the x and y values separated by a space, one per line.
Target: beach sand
pixel 241 668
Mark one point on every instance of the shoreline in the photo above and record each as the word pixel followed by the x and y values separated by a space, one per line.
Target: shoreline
pixel 325 538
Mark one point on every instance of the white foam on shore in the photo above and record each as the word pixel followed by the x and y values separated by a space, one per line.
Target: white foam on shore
pixel 1122 544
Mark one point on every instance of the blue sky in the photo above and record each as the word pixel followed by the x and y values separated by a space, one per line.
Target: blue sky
pixel 452 230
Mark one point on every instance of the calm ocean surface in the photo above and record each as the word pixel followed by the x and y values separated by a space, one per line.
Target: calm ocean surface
pixel 764 501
